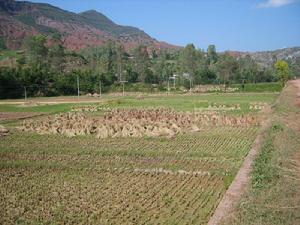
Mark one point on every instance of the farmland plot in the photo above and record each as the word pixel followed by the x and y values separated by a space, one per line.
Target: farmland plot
pixel 51 178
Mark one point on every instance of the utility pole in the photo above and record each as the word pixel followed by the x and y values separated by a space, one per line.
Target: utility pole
pixel 174 81
pixel 100 91
pixel 25 93
pixel 168 86
pixel 123 84
pixel 78 91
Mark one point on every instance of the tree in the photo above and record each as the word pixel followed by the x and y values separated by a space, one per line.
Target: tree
pixel 212 55
pixel 282 71
pixel 36 49
pixel 248 69
pixel 57 53
pixel 226 67
pixel 188 60
pixel 10 86
pixel 141 62
pixel 107 63
pixel 294 66
pixel 162 69
pixel 120 61
pixel 2 44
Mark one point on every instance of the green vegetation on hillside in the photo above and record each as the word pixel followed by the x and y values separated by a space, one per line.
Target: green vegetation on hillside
pixel 30 21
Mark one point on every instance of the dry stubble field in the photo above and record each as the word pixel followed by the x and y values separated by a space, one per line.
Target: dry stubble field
pixel 55 179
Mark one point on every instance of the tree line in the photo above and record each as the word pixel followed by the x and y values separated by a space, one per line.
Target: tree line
pixel 46 68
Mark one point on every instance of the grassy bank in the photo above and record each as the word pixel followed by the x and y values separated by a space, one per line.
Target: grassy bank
pixel 274 195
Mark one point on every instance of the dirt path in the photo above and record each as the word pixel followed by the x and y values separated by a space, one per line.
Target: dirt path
pixel 50 102
pixel 296 83
pixel 6 116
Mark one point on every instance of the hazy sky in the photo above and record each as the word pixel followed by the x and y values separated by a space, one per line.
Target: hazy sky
pixel 245 25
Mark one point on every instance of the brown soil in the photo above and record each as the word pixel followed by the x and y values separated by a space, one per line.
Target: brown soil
pixel 5 116
pixel 50 101
pixel 296 83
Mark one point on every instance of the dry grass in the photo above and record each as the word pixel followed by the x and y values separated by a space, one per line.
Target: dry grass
pixel 135 123
pixel 3 131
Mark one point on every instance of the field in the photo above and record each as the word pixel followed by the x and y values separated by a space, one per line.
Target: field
pixel 51 178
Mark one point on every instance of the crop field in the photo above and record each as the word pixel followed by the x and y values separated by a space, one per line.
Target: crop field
pixel 176 102
pixel 50 178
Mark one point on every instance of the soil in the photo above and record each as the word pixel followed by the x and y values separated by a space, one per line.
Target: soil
pixel 296 83
pixel 6 116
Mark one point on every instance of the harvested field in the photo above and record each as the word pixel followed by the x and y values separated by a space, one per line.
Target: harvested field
pixel 127 181
pixel 135 123
pixel 137 177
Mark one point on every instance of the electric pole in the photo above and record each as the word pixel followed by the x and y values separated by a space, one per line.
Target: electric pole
pixel 100 89
pixel 25 93
pixel 123 84
pixel 78 91
pixel 168 86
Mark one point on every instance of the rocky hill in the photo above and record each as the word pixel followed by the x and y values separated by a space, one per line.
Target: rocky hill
pixel 19 20
pixel 268 58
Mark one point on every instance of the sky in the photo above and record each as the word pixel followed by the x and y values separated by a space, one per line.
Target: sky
pixel 241 25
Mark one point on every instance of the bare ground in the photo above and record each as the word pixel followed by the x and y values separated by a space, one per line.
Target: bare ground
pixel 6 116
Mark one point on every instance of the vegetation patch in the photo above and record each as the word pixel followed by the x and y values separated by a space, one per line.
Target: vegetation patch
pixel 259 87
pixel 273 197
pixel 265 171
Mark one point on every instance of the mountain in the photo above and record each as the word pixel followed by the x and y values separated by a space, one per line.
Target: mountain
pixel 19 19
pixel 268 58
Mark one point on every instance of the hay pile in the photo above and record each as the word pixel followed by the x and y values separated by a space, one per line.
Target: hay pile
pixel 134 123
pixel 96 95
pixel 220 106
pixel 3 131
pixel 89 108
pixel 212 88
pixel 258 106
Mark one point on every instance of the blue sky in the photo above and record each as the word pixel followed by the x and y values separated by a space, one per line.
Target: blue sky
pixel 244 25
